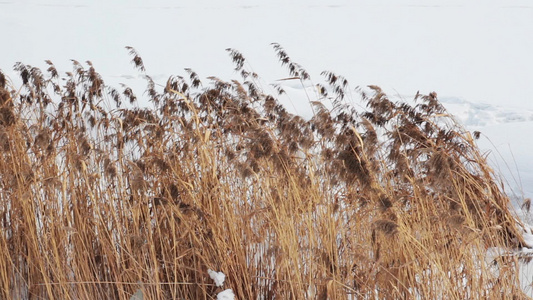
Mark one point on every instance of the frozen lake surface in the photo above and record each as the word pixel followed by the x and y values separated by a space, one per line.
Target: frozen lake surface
pixel 477 55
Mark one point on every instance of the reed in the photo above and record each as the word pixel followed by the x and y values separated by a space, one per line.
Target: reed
pixel 101 197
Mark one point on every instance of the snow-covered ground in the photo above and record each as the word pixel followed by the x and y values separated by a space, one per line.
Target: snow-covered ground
pixel 477 55
pixel 506 132
pixel 477 50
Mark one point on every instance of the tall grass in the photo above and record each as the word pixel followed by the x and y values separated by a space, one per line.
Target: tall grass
pixel 100 199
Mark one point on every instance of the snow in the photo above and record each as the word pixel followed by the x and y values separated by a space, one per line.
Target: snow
pixel 478 50
pixel 218 277
pixel 505 136
pixel 475 54
pixel 528 237
pixel 226 295
pixel 138 295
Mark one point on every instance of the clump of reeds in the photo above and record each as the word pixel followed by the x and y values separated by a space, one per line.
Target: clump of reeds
pixel 100 199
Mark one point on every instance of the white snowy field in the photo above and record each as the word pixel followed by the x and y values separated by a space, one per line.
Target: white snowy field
pixel 477 55
pixel 505 137
pixel 477 50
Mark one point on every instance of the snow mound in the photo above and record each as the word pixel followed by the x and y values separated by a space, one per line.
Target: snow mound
pixel 218 277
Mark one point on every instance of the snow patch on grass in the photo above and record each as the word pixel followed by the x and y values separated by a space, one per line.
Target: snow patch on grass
pixel 218 277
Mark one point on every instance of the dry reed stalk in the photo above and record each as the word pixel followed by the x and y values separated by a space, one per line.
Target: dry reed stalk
pixel 100 200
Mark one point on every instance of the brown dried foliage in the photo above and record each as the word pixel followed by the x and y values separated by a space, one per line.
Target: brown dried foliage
pixel 99 200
